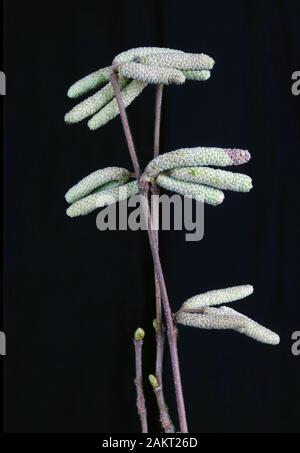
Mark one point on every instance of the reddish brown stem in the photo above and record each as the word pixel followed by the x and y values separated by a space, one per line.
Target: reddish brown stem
pixel 155 212
pixel 165 419
pixel 171 329
pixel 140 401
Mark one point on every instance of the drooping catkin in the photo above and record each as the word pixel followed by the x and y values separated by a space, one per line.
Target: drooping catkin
pixel 89 82
pixel 140 52
pixel 111 110
pixel 227 318
pixel 201 76
pixel 95 201
pixel 184 61
pixel 92 104
pixel 152 74
pixel 198 156
pixel 219 179
pixel 198 192
pixel 218 297
pixel 210 318
pixel 94 181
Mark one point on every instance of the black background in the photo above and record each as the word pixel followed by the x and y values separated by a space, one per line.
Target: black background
pixel 73 295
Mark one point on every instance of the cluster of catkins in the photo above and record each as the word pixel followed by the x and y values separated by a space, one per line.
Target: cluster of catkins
pixel 187 171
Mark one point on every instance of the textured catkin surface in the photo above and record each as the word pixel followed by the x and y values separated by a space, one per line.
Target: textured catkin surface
pixel 111 110
pixel 227 318
pixel 185 61
pixel 198 192
pixel 200 76
pixel 94 181
pixel 218 297
pixel 89 82
pixel 211 318
pixel 198 156
pixel 220 179
pixel 104 198
pixel 140 52
pixel 92 104
pixel 151 74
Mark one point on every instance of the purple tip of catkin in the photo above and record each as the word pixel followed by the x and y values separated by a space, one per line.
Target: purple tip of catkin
pixel 238 156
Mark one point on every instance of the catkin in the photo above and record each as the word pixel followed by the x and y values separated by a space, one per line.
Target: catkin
pixel 218 297
pixel 196 191
pixel 140 52
pixel 92 104
pixel 227 318
pixel 185 61
pixel 95 181
pixel 190 157
pixel 104 198
pixel 219 179
pixel 111 109
pixel 89 82
pixel 151 74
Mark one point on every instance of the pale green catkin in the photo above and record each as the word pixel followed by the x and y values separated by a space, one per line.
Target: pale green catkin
pixel 89 82
pixel 104 198
pixel 190 157
pixel 96 180
pixel 219 179
pixel 140 52
pixel 200 76
pixel 218 297
pixel 151 74
pixel 184 61
pixel 196 191
pixel 110 185
pixel 94 103
pixel 227 318
pixel 111 109
pixel 210 318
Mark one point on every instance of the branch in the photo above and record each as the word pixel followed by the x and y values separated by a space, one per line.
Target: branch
pixel 171 330
pixel 140 401
pixel 165 419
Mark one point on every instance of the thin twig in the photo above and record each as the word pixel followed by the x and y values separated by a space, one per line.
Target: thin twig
pixel 158 105
pixel 171 330
pixel 140 401
pixel 165 419
pixel 155 212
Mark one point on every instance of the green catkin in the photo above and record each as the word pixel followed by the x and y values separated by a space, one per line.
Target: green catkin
pixel 227 318
pixel 190 157
pixel 111 110
pixel 94 103
pixel 94 181
pixel 140 52
pixel 200 76
pixel 151 74
pixel 220 179
pixel 184 171
pixel 89 82
pixel 218 297
pixel 184 61
pixel 196 191
pixel 105 198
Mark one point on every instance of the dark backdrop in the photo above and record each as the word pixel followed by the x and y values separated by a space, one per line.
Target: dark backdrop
pixel 73 295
